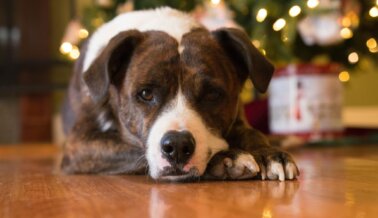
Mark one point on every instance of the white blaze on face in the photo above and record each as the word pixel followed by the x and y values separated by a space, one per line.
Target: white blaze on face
pixel 179 116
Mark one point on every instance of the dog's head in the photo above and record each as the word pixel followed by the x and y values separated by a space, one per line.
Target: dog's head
pixel 176 99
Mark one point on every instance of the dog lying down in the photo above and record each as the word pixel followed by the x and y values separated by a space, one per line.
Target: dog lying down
pixel 154 91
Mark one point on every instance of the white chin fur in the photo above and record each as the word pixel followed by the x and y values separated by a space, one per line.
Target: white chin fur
pixel 180 117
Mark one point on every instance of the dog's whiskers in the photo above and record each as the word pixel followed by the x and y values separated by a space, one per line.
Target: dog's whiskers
pixel 141 161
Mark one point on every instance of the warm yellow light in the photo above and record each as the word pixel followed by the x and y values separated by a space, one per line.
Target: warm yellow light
pixel 373 12
pixel 373 50
pixel 346 22
pixel 279 24
pixel 312 3
pixel 267 213
pixel 83 33
pixel 261 15
pixel 248 84
pixel 65 48
pixel 97 21
pixel 344 76
pixel 371 43
pixel 263 51
pixel 353 57
pixel 346 33
pixel 256 43
pixel 75 53
pixel 376 2
pixel 215 2
pixel 294 11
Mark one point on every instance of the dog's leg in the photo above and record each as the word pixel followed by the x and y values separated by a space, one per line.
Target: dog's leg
pixel 249 155
pixel 92 151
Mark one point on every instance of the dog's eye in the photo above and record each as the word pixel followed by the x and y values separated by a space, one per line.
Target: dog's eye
pixel 213 95
pixel 146 95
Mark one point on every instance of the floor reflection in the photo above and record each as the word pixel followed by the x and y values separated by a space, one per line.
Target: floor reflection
pixel 220 199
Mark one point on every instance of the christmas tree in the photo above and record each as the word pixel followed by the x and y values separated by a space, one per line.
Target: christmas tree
pixel 291 31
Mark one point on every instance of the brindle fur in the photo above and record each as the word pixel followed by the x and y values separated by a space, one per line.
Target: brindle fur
pixel 220 60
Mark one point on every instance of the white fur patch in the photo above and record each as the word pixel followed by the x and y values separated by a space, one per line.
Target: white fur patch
pixel 104 123
pixel 181 49
pixel 181 117
pixel 173 22
pixel 247 160
pixel 243 167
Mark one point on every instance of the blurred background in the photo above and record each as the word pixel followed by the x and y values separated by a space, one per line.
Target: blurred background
pixel 325 88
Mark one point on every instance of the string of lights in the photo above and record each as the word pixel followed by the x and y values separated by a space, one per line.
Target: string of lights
pixel 274 27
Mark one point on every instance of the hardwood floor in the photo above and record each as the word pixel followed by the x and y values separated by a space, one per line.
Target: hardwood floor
pixel 335 182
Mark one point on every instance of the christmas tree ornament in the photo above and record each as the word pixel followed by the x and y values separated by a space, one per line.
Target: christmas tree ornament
pixel 323 29
pixel 333 23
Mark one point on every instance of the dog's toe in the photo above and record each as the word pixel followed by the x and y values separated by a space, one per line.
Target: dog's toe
pixel 243 167
pixel 279 167
pixel 291 170
pixel 275 171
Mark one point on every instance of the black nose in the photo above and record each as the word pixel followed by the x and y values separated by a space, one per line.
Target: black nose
pixel 178 147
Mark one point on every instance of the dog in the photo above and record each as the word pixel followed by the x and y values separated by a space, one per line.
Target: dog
pixel 154 91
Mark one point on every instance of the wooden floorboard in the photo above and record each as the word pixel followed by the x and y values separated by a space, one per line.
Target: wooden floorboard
pixel 335 182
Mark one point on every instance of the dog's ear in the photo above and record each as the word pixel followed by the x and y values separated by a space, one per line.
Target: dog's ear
pixel 111 62
pixel 246 58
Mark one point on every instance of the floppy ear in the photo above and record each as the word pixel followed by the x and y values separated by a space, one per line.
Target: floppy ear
pixel 246 58
pixel 110 64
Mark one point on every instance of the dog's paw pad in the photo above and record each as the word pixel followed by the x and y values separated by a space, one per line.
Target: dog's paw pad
pixel 243 167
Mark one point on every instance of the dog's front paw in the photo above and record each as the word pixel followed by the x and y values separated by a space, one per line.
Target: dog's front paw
pixel 232 164
pixel 276 164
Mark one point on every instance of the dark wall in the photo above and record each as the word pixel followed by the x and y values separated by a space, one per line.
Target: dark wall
pixel 26 69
